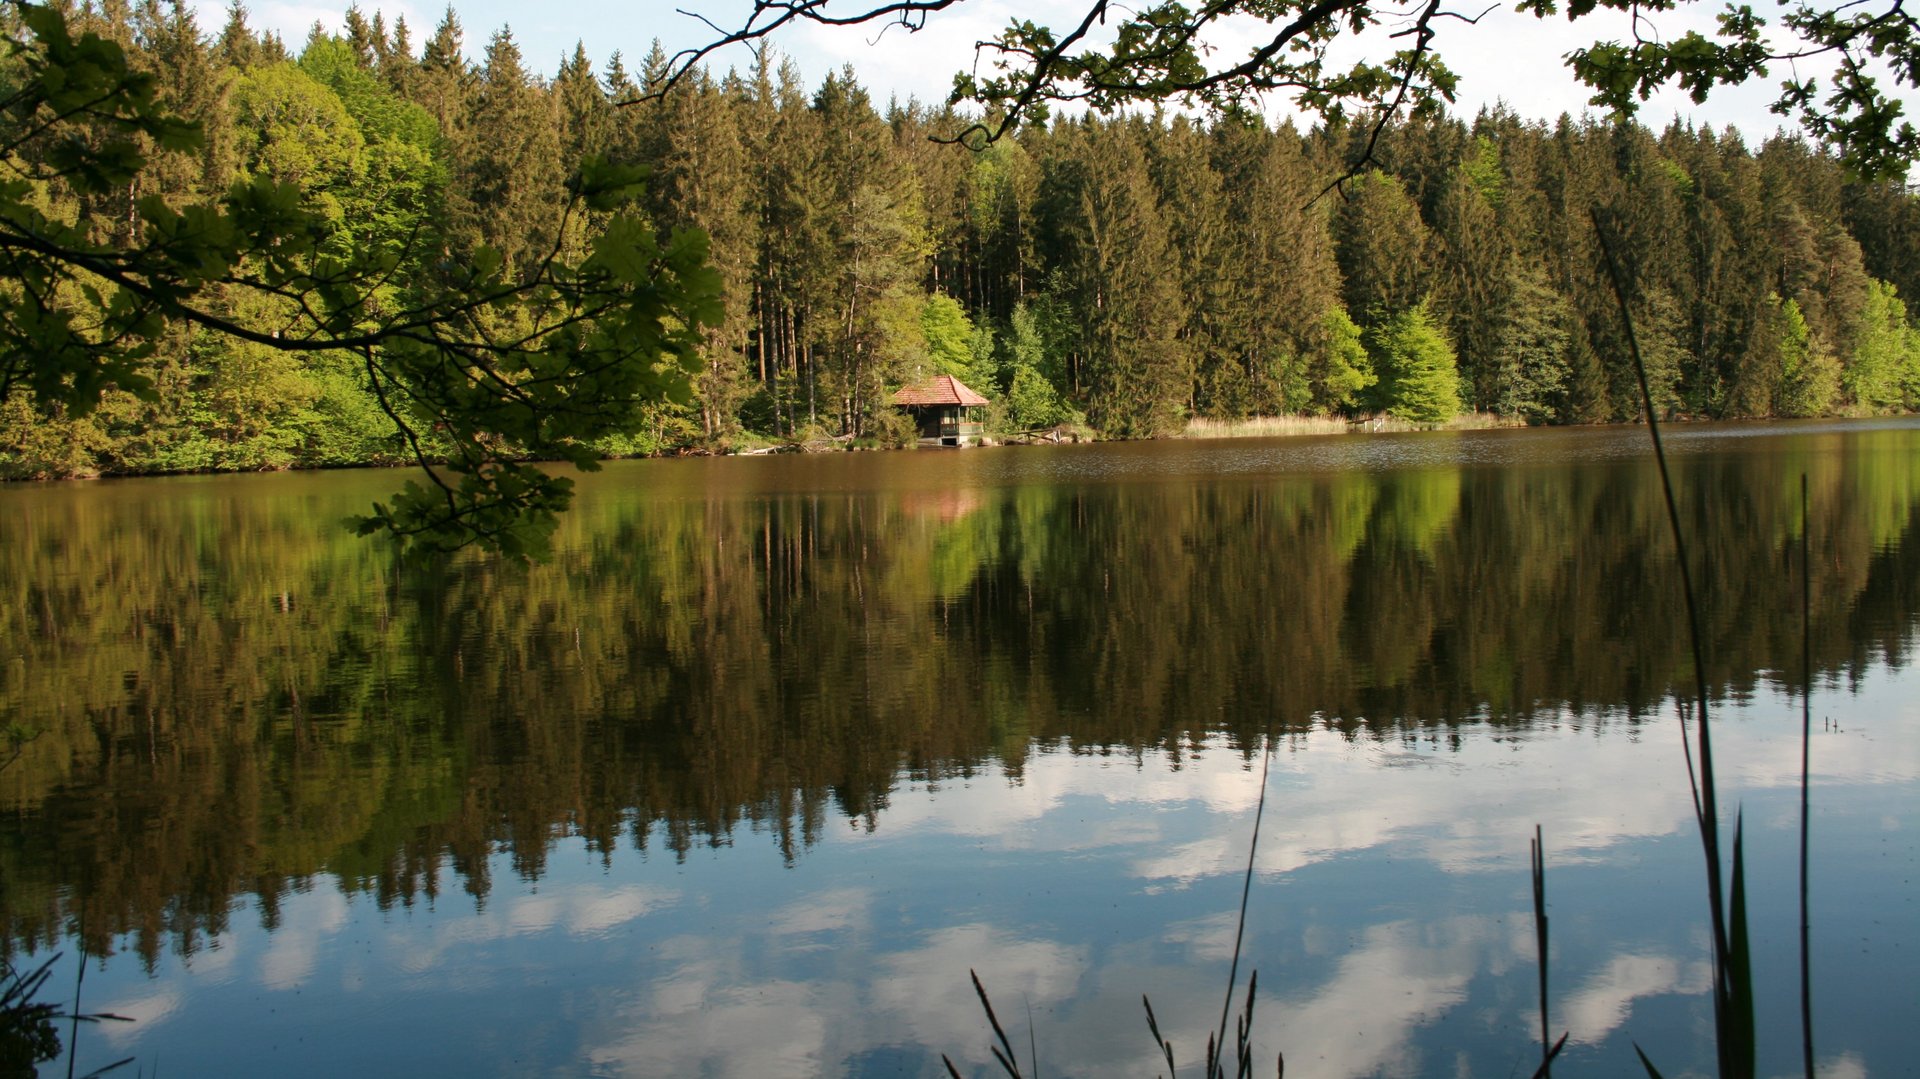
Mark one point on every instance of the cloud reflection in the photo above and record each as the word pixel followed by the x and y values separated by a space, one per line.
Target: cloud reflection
pixel 1603 1002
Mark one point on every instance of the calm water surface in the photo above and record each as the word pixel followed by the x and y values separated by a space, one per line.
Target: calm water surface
pixel 776 750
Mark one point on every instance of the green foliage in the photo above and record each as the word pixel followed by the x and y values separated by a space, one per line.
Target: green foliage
pixel 297 132
pixel 983 362
pixel 1481 170
pixel 1030 367
pixel 1343 370
pixel 1383 245
pixel 380 113
pixel 892 428
pixel 1532 351
pixel 49 442
pixel 949 335
pixel 474 367
pixel 1809 379
pixel 1885 372
pixel 1419 380
pixel 27 1033
pixel 1032 401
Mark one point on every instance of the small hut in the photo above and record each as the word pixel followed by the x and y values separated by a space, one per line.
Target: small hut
pixel 943 408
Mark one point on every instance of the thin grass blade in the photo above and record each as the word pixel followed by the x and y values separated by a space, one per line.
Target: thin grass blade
pixel 1153 1027
pixel 1033 1042
pixel 1005 1057
pixel 1705 796
pixel 1240 927
pixel 1245 1042
pixel 1806 763
pixel 1546 1064
pixel 1738 1033
pixel 1652 1072
pixel 1540 943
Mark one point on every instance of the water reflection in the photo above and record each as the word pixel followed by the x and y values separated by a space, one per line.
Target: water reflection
pixel 989 709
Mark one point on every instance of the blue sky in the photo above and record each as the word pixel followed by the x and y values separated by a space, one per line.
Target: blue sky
pixel 1507 57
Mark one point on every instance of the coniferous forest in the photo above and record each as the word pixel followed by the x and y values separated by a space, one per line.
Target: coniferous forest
pixel 1127 273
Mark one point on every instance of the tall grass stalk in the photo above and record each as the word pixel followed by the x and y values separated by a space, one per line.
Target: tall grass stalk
pixel 1002 1052
pixel 1732 977
pixel 1240 927
pixel 1539 866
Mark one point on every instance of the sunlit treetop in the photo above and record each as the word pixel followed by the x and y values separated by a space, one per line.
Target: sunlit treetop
pixel 1115 55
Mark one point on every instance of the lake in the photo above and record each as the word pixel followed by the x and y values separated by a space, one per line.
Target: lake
pixel 777 750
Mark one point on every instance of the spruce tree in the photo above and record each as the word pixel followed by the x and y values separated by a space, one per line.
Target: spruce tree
pixel 507 172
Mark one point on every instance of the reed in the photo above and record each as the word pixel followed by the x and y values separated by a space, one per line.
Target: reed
pixel 1284 426
pixel 29 1031
pixel 1003 1052
pixel 1264 427
pixel 1806 753
pixel 1734 1032
pixel 1539 869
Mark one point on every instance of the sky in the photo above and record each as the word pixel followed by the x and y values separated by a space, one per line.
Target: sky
pixel 1505 58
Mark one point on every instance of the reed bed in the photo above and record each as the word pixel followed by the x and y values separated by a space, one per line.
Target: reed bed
pixel 1265 427
pixel 1288 426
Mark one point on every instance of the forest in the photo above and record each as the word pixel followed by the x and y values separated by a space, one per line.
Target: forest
pixel 1126 273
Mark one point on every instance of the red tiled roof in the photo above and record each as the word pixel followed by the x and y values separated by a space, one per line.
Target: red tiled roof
pixel 938 390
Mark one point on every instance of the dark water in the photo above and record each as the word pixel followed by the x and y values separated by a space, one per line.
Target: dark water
pixel 776 750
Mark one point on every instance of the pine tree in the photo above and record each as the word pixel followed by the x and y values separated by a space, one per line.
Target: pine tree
pixel 705 182
pixel 1383 248
pixel 875 222
pixel 397 62
pixel 1188 191
pixel 1531 350
pixel 1113 248
pixel 237 47
pixel 444 82
pixel 361 38
pixel 507 173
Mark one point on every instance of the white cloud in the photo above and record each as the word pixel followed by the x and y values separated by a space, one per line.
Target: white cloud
pixel 763 1028
pixel 927 990
pixel 839 910
pixel 588 911
pixel 292 952
pixel 1327 796
pixel 1605 999
pixel 146 1010
pixel 1391 980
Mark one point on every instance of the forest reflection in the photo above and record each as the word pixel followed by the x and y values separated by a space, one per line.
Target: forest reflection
pixel 218 693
